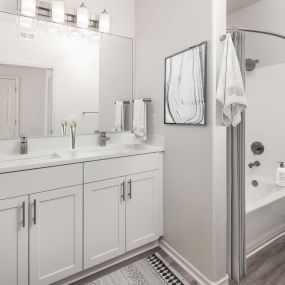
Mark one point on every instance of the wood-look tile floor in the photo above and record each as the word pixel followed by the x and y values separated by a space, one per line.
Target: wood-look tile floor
pixel 166 257
pixel 267 267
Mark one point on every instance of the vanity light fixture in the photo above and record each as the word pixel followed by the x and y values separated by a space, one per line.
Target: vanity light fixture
pixel 28 7
pixel 105 22
pixel 58 11
pixel 82 17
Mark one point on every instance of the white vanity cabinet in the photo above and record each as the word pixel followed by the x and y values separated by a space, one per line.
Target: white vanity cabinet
pixel 142 209
pixel 104 221
pixel 41 231
pixel 14 241
pixel 58 221
pixel 55 235
pixel 124 213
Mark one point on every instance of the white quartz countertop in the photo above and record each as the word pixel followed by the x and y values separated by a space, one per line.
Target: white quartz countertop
pixel 12 163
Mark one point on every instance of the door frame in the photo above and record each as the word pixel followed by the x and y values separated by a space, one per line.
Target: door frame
pixel 17 91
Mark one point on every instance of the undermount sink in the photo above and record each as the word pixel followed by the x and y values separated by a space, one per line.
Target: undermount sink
pixel 110 150
pixel 28 158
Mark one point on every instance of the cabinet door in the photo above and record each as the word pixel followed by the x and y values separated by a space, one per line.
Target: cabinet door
pixel 14 241
pixel 141 209
pixel 104 221
pixel 55 235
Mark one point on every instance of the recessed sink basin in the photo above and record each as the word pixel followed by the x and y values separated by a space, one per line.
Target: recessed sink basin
pixel 28 158
pixel 138 147
pixel 116 149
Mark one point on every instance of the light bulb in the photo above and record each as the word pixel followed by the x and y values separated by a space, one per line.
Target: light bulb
pixel 58 11
pixel 28 8
pixel 83 17
pixel 105 22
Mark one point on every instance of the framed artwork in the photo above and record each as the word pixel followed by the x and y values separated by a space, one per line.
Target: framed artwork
pixel 185 87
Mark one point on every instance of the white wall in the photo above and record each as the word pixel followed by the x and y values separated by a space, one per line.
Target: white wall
pixel 265 119
pixel 32 88
pixel 266 15
pixel 193 225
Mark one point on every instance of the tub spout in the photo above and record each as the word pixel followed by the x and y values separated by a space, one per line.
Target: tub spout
pixel 252 164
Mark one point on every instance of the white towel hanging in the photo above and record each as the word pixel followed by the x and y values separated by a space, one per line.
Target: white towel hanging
pixel 231 93
pixel 140 119
pixel 119 116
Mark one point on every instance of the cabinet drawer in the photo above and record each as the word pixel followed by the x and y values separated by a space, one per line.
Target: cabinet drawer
pixel 37 180
pixel 116 167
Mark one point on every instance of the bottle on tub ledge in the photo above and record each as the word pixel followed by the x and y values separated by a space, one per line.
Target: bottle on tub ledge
pixel 280 174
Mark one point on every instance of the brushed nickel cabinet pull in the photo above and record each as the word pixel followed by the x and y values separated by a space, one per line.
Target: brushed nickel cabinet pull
pixel 130 189
pixel 24 214
pixel 35 212
pixel 123 196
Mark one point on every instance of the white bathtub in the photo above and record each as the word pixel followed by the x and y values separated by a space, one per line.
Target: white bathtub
pixel 265 213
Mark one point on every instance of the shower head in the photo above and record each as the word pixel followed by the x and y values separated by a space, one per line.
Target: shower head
pixel 251 64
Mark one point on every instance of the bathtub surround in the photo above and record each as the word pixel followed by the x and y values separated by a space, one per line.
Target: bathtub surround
pixel 266 200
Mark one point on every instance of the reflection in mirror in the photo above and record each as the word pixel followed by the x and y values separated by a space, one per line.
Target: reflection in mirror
pixel 53 74
pixel 25 101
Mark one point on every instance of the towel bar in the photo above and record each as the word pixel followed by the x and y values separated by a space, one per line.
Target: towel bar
pixel 124 102
pixel 147 100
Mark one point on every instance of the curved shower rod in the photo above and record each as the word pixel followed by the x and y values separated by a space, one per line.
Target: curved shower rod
pixel 223 37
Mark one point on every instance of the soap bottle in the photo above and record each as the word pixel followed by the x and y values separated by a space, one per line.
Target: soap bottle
pixel 280 174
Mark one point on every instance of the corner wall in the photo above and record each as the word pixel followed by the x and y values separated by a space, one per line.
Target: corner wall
pixel 194 187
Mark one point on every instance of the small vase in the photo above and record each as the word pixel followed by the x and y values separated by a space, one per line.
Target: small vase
pixel 73 134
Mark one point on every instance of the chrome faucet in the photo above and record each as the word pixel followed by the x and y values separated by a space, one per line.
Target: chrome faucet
pixel 104 138
pixel 23 144
pixel 252 164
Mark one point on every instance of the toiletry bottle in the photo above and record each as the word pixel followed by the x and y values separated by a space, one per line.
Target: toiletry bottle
pixel 280 174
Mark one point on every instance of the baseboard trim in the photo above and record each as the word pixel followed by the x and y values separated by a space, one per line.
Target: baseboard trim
pixel 254 249
pixel 186 265
pixel 107 264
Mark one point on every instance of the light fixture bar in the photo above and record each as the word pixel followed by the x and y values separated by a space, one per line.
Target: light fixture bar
pixel 44 10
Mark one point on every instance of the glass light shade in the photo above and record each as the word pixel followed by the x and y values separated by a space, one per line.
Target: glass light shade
pixel 58 11
pixel 83 17
pixel 105 22
pixel 28 8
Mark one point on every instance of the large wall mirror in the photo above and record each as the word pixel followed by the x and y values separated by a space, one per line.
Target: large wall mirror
pixel 51 74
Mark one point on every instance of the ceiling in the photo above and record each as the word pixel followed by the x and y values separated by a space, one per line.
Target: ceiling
pixel 234 5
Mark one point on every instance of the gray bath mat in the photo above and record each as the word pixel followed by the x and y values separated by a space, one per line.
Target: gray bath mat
pixel 152 270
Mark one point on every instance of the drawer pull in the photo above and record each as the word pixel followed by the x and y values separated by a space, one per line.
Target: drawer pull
pixel 123 196
pixel 35 212
pixel 130 189
pixel 24 213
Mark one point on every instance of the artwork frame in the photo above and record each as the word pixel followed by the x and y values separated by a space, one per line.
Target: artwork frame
pixel 194 99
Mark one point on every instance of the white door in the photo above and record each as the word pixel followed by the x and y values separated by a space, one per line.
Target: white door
pixel 14 241
pixel 8 108
pixel 104 221
pixel 141 209
pixel 55 235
